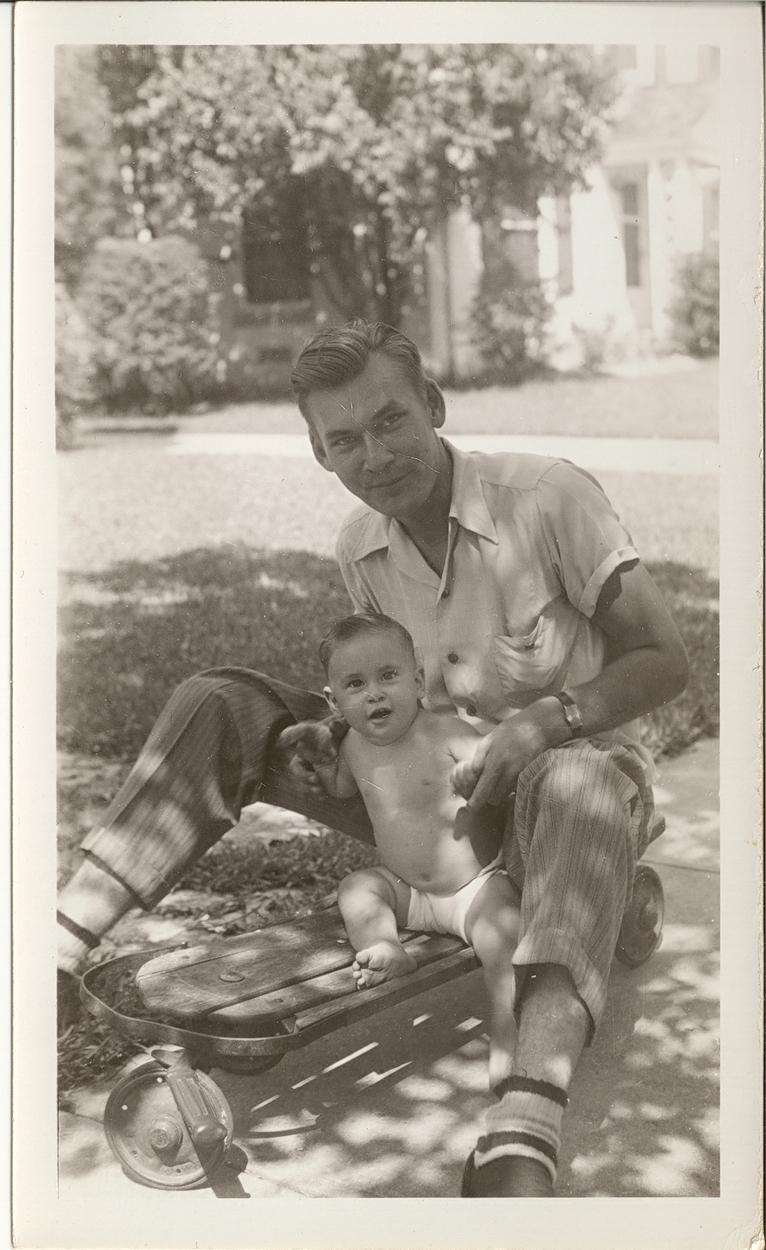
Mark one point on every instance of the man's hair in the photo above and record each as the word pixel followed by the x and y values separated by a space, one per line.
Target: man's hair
pixel 339 354
pixel 364 624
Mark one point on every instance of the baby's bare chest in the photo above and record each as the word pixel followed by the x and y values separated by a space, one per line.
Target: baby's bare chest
pixel 401 784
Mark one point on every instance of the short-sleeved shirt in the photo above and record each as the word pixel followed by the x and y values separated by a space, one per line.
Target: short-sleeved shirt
pixel 532 540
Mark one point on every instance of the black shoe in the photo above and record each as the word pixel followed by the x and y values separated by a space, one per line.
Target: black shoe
pixel 68 996
pixel 510 1176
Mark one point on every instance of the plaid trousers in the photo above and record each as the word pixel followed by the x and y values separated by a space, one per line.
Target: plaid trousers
pixel 573 835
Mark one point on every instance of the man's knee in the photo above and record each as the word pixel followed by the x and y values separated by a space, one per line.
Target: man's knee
pixel 220 683
pixel 194 692
pixel 580 784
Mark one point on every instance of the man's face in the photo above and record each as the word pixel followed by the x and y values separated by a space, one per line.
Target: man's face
pixel 378 435
pixel 375 684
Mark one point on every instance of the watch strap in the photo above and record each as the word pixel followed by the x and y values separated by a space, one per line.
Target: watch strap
pixel 572 713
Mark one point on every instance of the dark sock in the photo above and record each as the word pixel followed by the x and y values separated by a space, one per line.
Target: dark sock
pixel 508 1176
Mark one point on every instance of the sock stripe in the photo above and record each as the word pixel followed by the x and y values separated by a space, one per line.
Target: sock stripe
pixel 491 1141
pixel 525 1084
pixel 96 859
pixel 83 935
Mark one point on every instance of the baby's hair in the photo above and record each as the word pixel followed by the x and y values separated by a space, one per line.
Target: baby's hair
pixel 365 623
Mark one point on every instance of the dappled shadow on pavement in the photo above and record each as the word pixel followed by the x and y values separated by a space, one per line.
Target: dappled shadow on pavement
pixel 643 1119
pixel 392 1106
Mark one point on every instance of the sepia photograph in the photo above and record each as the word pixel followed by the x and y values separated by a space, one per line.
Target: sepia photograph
pixel 385 438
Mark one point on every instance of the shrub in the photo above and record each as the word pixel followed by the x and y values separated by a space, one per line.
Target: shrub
pixel 694 309
pixel 509 319
pixel 153 312
pixel 598 342
pixel 74 366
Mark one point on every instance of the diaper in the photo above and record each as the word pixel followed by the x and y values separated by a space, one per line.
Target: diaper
pixel 446 913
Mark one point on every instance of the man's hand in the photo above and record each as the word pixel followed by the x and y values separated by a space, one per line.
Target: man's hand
pixel 490 777
pixel 646 667
pixel 311 744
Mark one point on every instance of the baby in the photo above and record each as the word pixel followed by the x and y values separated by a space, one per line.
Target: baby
pixel 440 870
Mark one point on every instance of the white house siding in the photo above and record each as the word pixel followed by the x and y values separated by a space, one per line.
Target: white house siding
pixel 454 267
pixel 597 315
pixel 672 160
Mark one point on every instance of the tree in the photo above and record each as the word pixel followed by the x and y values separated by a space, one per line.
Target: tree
pixel 88 192
pixel 370 146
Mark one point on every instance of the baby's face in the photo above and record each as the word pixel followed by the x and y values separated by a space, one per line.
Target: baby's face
pixel 375 684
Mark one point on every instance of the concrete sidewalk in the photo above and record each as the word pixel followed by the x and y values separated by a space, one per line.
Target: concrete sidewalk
pixel 634 455
pixel 392 1106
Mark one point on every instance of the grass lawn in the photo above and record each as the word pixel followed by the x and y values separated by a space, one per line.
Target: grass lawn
pixel 174 564
pixel 681 404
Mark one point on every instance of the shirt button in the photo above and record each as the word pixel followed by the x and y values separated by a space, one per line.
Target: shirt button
pixel 453 657
pixel 471 709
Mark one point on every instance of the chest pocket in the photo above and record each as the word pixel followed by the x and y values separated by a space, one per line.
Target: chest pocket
pixel 529 664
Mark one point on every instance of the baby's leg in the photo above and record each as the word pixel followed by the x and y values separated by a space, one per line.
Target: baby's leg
pixel 373 904
pixel 492 927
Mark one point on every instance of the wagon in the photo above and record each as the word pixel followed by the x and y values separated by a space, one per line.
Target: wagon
pixel 240 1004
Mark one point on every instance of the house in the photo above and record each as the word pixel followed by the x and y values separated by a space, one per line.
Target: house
pixel 606 255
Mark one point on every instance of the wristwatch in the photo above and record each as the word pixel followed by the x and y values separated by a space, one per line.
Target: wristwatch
pixel 571 712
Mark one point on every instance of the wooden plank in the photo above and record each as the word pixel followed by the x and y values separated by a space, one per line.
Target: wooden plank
pixel 330 987
pixel 271 973
pixel 205 978
pixel 283 1004
pixel 324 1018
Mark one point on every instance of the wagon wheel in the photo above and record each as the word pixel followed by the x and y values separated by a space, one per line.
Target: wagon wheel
pixel 148 1135
pixel 641 931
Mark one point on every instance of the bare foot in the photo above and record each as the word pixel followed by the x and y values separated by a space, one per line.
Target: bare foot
pixel 381 962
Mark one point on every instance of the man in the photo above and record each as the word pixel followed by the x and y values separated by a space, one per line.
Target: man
pixel 535 620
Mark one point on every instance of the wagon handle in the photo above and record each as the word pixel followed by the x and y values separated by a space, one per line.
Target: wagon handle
pixel 205 1129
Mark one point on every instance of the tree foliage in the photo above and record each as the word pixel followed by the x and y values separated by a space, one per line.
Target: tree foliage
pixel 87 182
pixel 369 145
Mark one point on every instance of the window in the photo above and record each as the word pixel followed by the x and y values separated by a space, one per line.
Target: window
pixel 519 234
pixel 630 233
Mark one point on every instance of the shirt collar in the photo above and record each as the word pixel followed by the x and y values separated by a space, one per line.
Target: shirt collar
pixel 468 507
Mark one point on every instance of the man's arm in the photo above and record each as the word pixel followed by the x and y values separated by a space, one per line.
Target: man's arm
pixel 646 667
